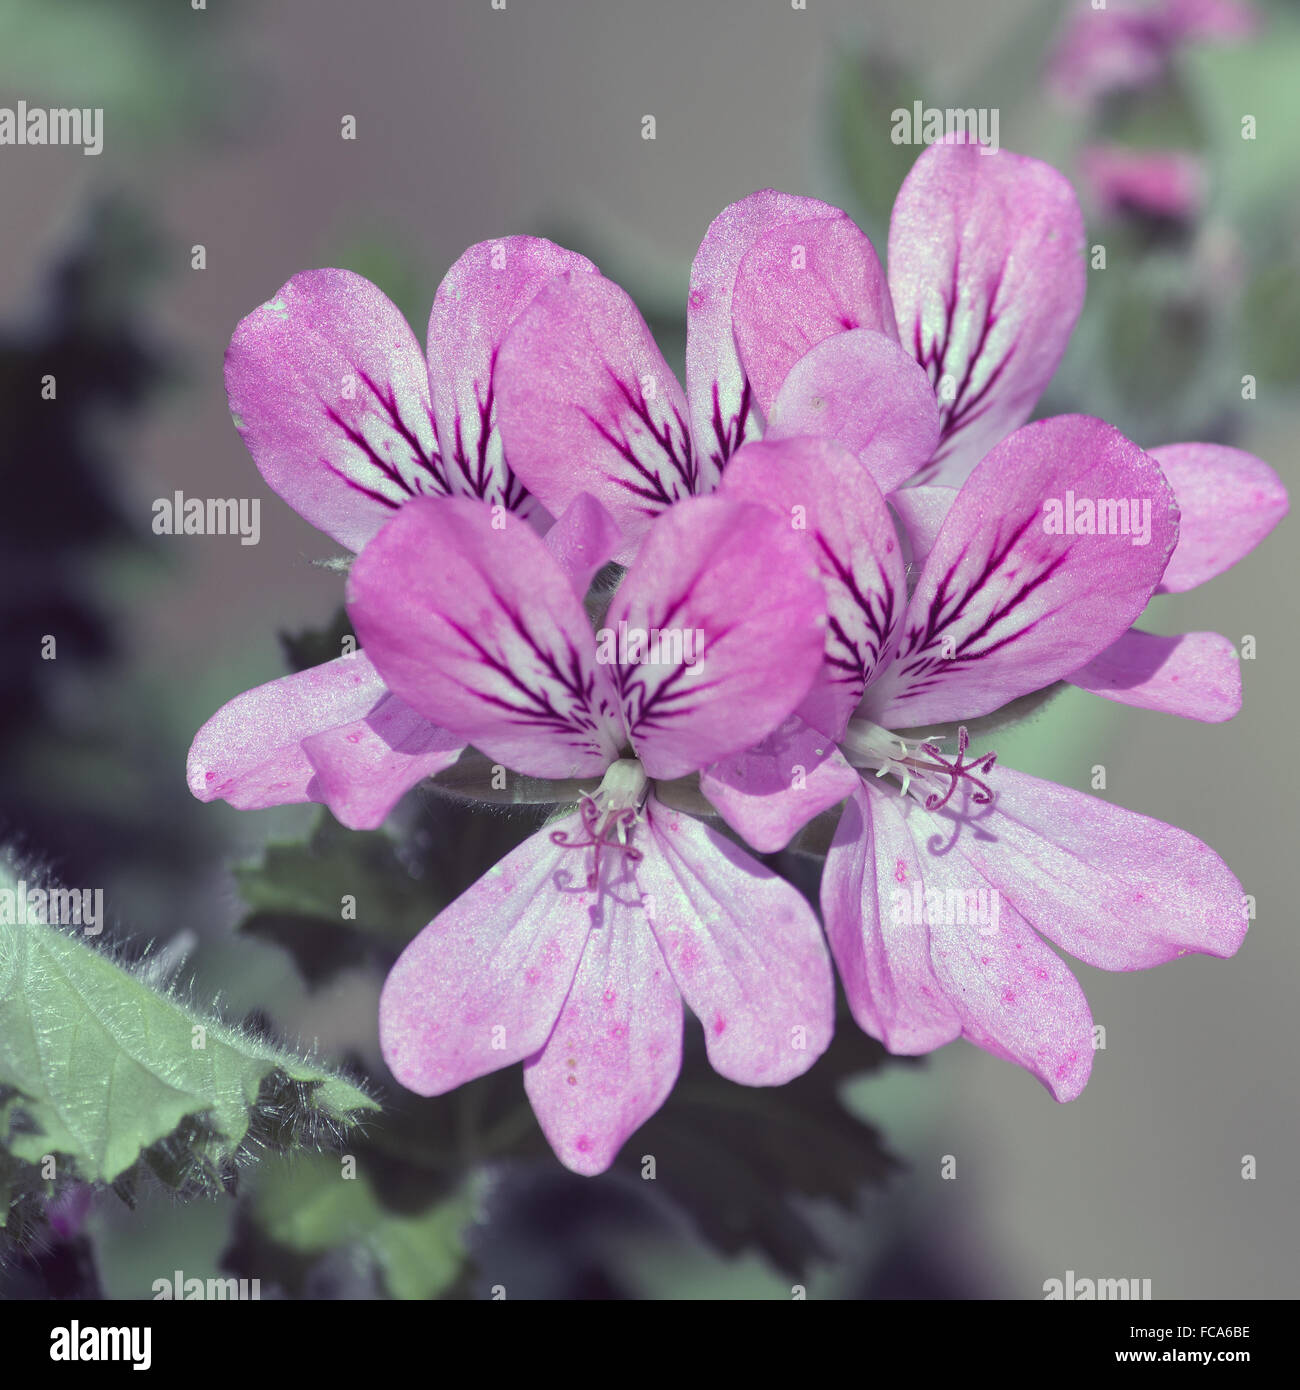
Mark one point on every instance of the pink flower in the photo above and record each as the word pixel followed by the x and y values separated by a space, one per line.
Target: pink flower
pixel 794 329
pixel 347 421
pixel 575 952
pixel 985 283
pixel 1158 183
pixel 1003 607
pixel 1126 45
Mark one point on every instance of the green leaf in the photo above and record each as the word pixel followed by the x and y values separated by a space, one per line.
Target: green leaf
pixel 308 1207
pixel 1270 310
pixel 1253 177
pixel 348 897
pixel 865 90
pixel 331 900
pixel 102 1070
pixel 337 871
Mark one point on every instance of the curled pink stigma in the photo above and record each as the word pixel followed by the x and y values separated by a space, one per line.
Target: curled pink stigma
pixel 608 833
pixel 981 796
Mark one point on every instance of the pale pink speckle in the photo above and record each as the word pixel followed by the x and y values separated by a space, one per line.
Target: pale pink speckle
pixel 900 871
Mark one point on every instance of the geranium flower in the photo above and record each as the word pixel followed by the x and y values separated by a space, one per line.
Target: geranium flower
pixel 348 422
pixel 575 952
pixel 1126 46
pixel 1156 183
pixel 588 404
pixel 985 283
pixel 793 329
pixel 1228 501
pixel 1003 607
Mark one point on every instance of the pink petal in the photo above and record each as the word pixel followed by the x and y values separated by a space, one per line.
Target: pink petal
pixel 588 404
pixel 483 984
pixel 862 390
pixel 771 791
pixel 1196 675
pixel 261 749
pixel 799 284
pixel 1117 890
pixel 329 390
pixel 480 297
pixel 737 582
pixel 1005 607
pixel 582 540
pixel 723 412
pixel 884 966
pixel 363 769
pixel 819 489
pixel 1229 502
pixel 617 1047
pixel 744 948
pixel 463 611
pixel 987 273
pixel 916 976
pixel 921 511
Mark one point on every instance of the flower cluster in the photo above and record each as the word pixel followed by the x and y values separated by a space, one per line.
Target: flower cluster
pixel 846 512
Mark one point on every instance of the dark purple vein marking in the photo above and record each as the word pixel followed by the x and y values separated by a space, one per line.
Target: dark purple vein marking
pixel 918 664
pixel 962 410
pixel 480 477
pixel 431 463
pixel 677 451
pixel 858 661
pixel 730 435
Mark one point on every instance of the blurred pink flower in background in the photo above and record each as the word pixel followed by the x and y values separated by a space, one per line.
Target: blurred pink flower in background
pixel 1160 183
pixel 1126 46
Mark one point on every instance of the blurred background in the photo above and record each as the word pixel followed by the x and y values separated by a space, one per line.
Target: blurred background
pixel 222 130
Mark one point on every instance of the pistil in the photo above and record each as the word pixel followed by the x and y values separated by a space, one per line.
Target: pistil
pixel 608 816
pixel 867 746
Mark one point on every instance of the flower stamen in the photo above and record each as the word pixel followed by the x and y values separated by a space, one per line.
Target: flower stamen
pixel 608 815
pixel 869 747
pixel 981 796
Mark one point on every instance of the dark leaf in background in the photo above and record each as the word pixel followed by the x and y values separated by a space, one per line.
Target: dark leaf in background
pixel 731 1156
pixel 314 646
pixel 62 503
